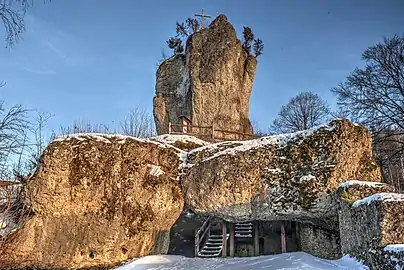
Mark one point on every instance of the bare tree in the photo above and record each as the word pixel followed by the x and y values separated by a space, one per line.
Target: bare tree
pixel 257 130
pixel 13 135
pixel 374 96
pixel 12 15
pixel 138 123
pixel 83 126
pixel 13 139
pixel 390 160
pixel 303 111
pixel 38 144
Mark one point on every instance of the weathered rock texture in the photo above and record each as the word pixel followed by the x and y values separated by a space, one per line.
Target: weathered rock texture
pixel 319 242
pixel 291 176
pixel 211 84
pixel 370 225
pixel 97 200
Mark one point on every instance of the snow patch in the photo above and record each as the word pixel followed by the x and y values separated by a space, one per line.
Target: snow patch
pixel 279 141
pixel 155 170
pixel 97 136
pixel 361 183
pixel 172 138
pixel 276 170
pixel 394 248
pixel 386 197
pixel 307 178
pixel 290 261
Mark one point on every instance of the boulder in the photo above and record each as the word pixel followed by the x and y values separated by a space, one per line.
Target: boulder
pixel 289 177
pixel 210 84
pixel 372 229
pixel 97 200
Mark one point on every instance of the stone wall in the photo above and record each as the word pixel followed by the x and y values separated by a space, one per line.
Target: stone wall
pixel 370 224
pixel 319 242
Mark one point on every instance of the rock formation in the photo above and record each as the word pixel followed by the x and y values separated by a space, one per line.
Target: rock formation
pixel 290 176
pixel 98 200
pixel 371 224
pixel 210 84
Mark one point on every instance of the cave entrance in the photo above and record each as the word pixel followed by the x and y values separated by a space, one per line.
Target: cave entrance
pixel 245 239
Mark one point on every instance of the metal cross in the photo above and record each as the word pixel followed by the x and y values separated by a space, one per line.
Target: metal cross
pixel 203 16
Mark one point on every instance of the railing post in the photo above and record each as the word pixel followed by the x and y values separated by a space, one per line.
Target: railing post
pixel 283 236
pixel 256 238
pixel 169 127
pixel 196 242
pixel 224 237
pixel 213 131
pixel 231 248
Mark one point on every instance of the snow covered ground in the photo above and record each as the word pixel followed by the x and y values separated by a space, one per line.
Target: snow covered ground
pixel 290 261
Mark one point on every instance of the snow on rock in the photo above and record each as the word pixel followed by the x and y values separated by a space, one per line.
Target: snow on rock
pixel 290 261
pixel 283 176
pixel 361 183
pixel 122 139
pixel 155 170
pixel 243 146
pixel 173 138
pixel 387 197
pixel 280 140
pixel 394 248
pixel 307 178
pixel 103 137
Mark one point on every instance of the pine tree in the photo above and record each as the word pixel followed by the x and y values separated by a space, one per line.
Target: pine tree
pixel 175 44
pixel 258 47
pixel 181 29
pixel 248 38
pixel 193 25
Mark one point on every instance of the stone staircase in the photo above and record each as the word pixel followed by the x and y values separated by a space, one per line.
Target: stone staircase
pixel 214 245
pixel 243 230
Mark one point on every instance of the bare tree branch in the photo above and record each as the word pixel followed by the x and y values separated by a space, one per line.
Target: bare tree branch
pixel 138 123
pixel 303 111
pixel 374 96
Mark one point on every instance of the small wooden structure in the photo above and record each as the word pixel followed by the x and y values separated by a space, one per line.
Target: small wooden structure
pixel 208 133
pixel 186 124
pixel 233 240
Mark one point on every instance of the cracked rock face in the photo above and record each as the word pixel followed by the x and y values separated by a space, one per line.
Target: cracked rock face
pixel 289 176
pixel 97 200
pixel 210 84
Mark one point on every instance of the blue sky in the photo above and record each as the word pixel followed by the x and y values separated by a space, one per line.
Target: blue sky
pixel 95 59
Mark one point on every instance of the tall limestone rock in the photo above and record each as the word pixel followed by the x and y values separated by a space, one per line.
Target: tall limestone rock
pixel 97 200
pixel 210 84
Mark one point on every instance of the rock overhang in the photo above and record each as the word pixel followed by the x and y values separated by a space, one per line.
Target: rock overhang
pixel 289 176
